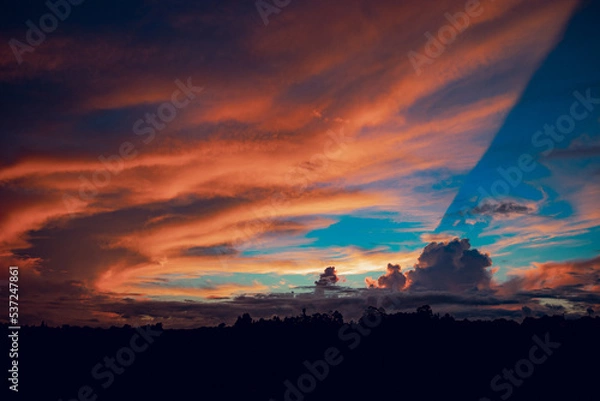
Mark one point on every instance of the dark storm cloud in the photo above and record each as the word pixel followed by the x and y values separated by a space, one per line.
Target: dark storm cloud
pixel 451 266
pixel 504 208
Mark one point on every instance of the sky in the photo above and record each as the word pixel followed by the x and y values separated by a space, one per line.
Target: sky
pixel 187 162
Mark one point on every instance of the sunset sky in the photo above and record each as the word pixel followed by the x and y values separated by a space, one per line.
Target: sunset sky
pixel 186 162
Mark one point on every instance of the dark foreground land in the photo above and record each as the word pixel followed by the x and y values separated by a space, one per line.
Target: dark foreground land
pixel 416 356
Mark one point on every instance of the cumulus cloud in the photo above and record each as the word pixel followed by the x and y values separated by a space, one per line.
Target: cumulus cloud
pixel 451 266
pixel 442 266
pixel 327 278
pixel 393 279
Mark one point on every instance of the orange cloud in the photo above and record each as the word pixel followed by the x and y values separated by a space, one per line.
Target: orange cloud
pixel 584 273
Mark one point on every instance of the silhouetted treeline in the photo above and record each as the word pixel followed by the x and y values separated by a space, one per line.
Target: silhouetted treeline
pixel 403 356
